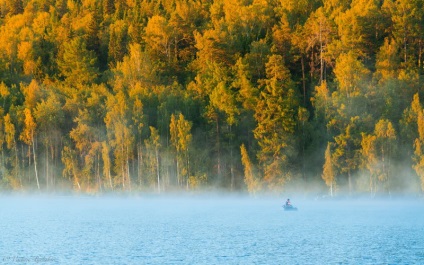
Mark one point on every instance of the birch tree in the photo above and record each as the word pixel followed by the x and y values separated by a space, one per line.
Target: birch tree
pixel 28 136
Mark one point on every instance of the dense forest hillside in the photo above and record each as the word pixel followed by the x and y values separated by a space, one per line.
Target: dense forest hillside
pixel 256 95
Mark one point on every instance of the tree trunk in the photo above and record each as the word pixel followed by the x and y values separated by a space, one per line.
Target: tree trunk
pixel 35 163
pixel 218 150
pixel 139 164
pixel 405 44
pixel 231 161
pixel 47 167
pixel 2 166
pixel 127 164
pixel 178 173
pixel 110 179
pixel 23 161
pixel 99 181
pixel 53 160
pixel 188 166
pixel 303 151
pixel 122 168
pixel 349 180
pixel 17 172
pixel 232 169
pixel 303 79
pixel 157 168
pixel 420 49
pixel 321 76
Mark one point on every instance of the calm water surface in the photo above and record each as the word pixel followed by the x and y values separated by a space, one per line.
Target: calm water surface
pixel 201 230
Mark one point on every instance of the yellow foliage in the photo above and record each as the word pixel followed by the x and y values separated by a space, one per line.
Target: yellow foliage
pixel 81 24
pixel 250 180
pixel 350 72
pixel 27 134
pixel 328 173
pixel 195 182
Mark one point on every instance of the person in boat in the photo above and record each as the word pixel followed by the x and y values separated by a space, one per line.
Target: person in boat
pixel 288 203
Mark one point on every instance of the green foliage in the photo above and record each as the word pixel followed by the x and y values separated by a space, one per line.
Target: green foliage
pixel 181 140
pixel 78 64
pixel 276 118
pixel 378 150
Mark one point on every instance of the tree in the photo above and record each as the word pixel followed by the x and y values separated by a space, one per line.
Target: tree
pixel 313 41
pixel 106 164
pixel 345 154
pixel 250 179
pixel 351 75
pixel 409 122
pixel 173 128
pixel 84 136
pixel 138 122
pixel 298 11
pixel 120 136
pixel 14 177
pixel 361 28
pixel 222 100
pixel 328 174
pixel 118 41
pixel 276 120
pixel 50 118
pixel 184 139
pixel 247 92
pixel 408 25
pixel 78 64
pixel 71 168
pixel 180 139
pixel 3 172
pixel 369 155
pixel 418 157
pixel 15 7
pixel 386 136
pixel 213 86
pixel 378 149
pixel 388 61
pixel 159 38
pixel 322 103
pixel 137 68
pixel 28 136
pixel 153 145
pixel 108 7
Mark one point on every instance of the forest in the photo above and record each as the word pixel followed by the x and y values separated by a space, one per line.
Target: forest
pixel 240 95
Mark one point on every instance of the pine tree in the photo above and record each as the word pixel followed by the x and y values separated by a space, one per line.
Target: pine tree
pixel 276 120
pixel 78 64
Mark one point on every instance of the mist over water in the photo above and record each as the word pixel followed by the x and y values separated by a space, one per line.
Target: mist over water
pixel 209 229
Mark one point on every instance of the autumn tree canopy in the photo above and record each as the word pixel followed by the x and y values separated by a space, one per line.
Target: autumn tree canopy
pixel 258 95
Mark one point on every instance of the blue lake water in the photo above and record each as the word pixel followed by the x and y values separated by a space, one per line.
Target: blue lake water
pixel 208 230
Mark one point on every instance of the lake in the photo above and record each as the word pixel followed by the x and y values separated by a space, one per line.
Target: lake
pixel 208 230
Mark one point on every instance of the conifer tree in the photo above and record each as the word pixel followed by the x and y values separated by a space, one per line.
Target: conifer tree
pixel 276 119
pixel 78 64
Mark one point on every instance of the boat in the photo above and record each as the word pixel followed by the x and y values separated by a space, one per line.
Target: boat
pixel 289 208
